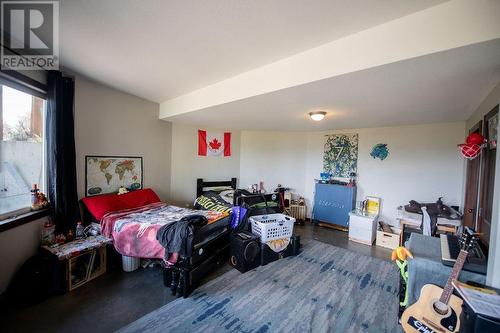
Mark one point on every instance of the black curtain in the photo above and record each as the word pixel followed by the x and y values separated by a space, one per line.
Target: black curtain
pixel 61 157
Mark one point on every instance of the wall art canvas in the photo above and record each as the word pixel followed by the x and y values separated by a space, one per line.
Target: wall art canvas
pixel 341 155
pixel 106 174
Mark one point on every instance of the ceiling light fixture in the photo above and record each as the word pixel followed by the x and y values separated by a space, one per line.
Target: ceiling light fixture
pixel 317 115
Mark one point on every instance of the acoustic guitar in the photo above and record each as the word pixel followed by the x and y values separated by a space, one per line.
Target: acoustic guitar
pixel 437 309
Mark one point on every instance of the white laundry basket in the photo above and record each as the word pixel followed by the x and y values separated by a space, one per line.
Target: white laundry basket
pixel 130 264
pixel 272 226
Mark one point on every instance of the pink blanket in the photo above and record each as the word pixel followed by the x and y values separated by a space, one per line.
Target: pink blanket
pixel 134 230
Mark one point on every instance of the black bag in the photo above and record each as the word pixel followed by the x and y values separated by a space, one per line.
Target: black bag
pixel 35 281
pixel 244 225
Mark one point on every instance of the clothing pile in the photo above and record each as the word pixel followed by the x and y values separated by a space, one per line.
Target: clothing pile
pixel 177 238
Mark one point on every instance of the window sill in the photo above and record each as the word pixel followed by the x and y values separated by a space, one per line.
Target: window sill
pixel 23 219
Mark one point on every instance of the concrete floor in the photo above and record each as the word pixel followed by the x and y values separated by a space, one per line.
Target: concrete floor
pixel 117 299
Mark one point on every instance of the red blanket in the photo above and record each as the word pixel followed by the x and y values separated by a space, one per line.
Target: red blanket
pixel 134 230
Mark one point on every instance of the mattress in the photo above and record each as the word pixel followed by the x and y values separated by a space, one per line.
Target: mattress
pixel 134 230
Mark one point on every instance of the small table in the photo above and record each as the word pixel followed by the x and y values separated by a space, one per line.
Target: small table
pixel 85 259
pixel 414 221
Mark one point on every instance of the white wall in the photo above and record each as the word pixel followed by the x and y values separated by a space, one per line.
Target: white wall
pixel 423 164
pixel 110 122
pixel 16 246
pixel 493 276
pixel 274 158
pixel 187 166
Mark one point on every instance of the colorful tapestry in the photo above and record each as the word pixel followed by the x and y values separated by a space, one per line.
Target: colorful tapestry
pixel 71 249
pixel 341 155
pixel 106 174
pixel 212 200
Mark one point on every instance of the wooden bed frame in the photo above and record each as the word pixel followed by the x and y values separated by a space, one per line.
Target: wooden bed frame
pixel 205 257
pixel 200 185
pixel 212 253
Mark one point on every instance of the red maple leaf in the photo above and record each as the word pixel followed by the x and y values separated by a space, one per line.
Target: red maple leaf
pixel 215 144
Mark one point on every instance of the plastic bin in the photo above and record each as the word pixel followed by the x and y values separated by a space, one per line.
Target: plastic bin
pixel 272 226
pixel 130 264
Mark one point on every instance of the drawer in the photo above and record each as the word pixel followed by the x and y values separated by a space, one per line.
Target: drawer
pixel 361 233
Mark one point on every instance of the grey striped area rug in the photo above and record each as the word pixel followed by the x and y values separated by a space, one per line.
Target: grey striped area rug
pixel 323 289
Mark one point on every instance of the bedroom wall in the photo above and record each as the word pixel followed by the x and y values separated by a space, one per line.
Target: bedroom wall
pixel 423 164
pixel 111 122
pixel 187 166
pixel 274 158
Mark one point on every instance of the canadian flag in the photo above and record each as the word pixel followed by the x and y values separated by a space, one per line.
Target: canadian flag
pixel 214 144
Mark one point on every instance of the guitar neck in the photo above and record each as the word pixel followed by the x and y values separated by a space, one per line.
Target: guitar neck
pixel 448 288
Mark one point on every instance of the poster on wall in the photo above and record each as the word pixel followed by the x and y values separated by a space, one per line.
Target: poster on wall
pixel 341 154
pixel 106 174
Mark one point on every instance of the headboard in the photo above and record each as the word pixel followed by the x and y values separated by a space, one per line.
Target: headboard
pixel 200 185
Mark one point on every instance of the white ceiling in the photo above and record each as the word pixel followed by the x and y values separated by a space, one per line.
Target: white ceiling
pixel 160 49
pixel 445 86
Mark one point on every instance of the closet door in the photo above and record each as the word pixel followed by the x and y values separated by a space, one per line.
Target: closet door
pixel 488 175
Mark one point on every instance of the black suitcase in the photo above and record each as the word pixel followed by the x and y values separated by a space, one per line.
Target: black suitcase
pixel 245 251
pixel 267 255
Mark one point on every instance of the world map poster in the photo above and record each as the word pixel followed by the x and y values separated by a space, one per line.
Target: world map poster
pixel 106 174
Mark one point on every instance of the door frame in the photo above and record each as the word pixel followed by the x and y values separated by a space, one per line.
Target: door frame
pixel 478 127
pixel 485 175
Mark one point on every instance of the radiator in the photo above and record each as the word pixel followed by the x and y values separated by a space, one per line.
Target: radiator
pixel 297 212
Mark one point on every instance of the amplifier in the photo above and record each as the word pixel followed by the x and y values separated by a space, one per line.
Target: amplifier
pixel 476 323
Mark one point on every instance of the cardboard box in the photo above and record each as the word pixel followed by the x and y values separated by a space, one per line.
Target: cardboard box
pixel 388 240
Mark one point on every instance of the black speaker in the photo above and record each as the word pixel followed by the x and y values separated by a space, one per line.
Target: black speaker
pixel 245 251
pixel 267 255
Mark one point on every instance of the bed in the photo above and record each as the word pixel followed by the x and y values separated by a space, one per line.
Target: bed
pixel 132 220
pixel 225 193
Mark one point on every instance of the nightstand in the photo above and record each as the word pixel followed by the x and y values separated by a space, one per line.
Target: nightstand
pixel 83 259
pixel 362 227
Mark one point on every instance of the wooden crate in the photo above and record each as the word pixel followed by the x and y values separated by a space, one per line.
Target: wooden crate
pixel 387 239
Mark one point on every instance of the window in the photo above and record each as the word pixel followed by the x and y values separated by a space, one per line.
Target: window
pixel 22 149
